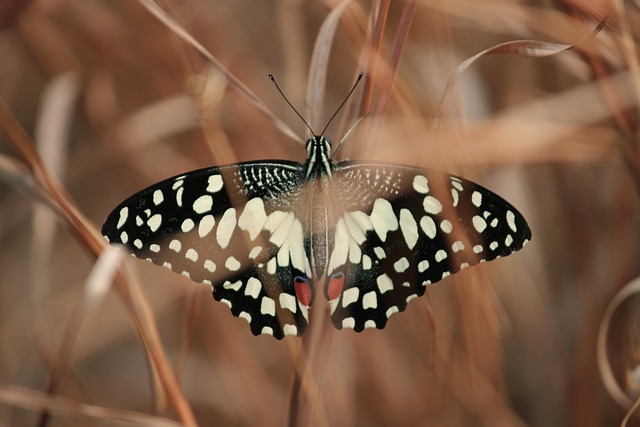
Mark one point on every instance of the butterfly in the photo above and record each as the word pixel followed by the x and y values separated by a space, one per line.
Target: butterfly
pixel 263 234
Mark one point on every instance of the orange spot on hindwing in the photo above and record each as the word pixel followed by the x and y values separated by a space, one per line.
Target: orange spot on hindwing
pixel 335 286
pixel 303 290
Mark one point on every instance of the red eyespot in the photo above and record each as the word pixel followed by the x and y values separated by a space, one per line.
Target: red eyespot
pixel 303 290
pixel 335 286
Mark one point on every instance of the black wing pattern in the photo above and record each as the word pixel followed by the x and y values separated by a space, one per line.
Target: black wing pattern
pixel 399 229
pixel 234 228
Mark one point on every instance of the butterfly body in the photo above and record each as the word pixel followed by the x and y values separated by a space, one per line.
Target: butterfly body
pixel 265 234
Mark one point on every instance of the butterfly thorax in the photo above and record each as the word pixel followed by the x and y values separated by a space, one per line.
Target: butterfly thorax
pixel 318 171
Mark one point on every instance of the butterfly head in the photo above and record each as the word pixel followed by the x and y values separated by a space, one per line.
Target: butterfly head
pixel 318 143
pixel 318 156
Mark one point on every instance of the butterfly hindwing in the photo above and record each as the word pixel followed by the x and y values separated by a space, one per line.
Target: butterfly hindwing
pixel 400 228
pixel 234 228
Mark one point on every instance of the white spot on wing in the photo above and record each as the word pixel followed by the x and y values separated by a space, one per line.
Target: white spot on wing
pixel 158 197
pixel 391 310
pixel 305 311
pixel 283 256
pixel 350 296
pixel 446 226
pixel 268 306
pixel 124 214
pixel 341 247
pixel 355 253
pixel 432 205
pixel 235 286
pixel 423 266
pixel 428 226
pixel 246 316
pixel 508 241
pixel 255 252
pixel 288 301
pixel 476 199
pixel 409 228
pixel 232 264
pixel 154 222
pixel 441 255
pixel 370 300
pixel 355 229
pixel 457 246
pixel 215 184
pixel 154 247
pixel 225 227
pixel 383 218
pixel 175 245
pixel 380 253
pixel 253 287
pixel 384 283
pixel 271 266
pixel 210 265
pixel 362 220
pixel 187 225
pixel 178 183
pixel 410 297
pixel 289 329
pixel 296 246
pixel 191 254
pixel 253 217
pixel 206 225
pixel 511 220
pixel 281 230
pixel 420 184
pixel 401 265
pixel 455 196
pixel 274 220
pixel 479 223
pixel 179 196
pixel 349 322
pixel 203 204
pixel 366 262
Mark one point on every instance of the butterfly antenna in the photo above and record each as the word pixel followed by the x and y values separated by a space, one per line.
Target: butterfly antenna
pixel 273 79
pixel 343 102
pixel 346 135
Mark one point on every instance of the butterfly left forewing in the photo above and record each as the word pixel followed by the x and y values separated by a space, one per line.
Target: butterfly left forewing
pixel 235 228
pixel 398 229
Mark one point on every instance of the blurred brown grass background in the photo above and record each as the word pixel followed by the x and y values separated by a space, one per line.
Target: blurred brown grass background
pixel 115 101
